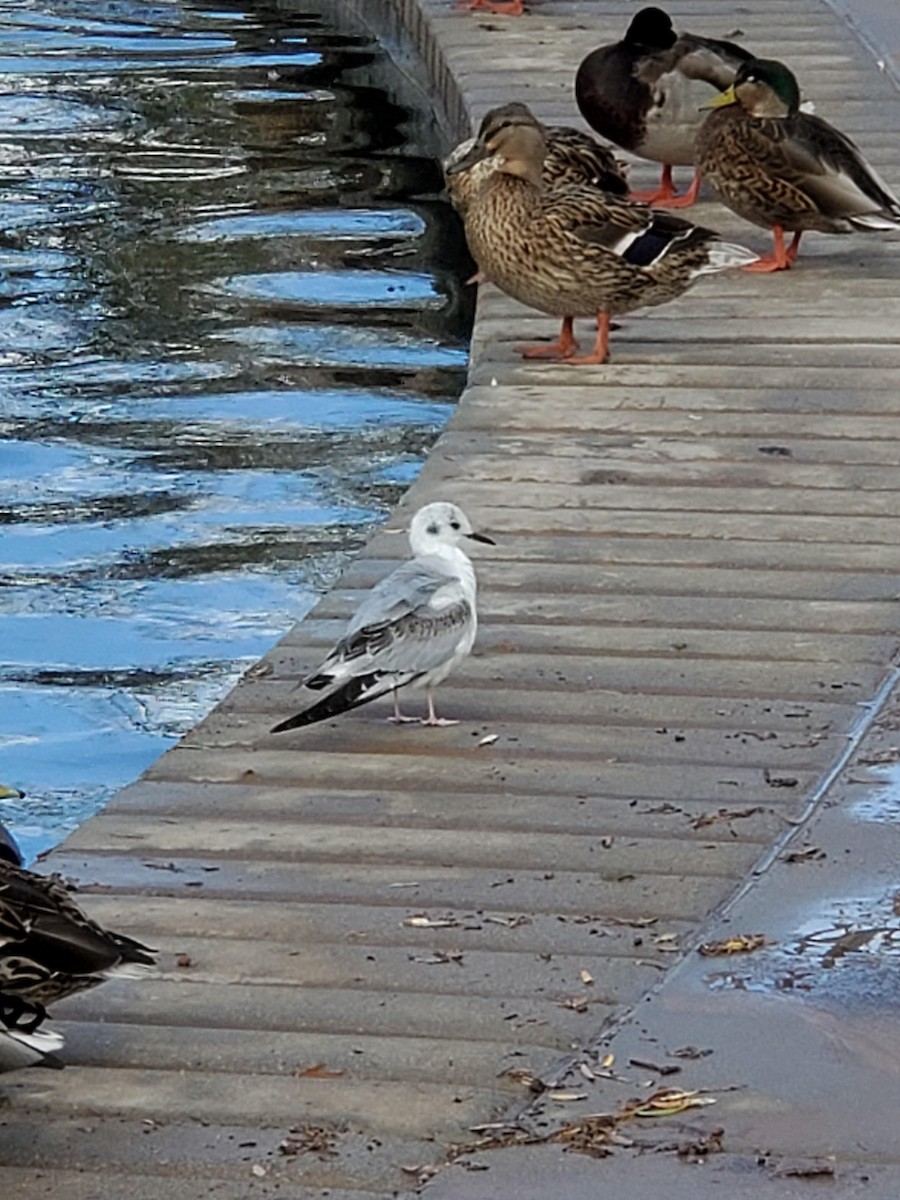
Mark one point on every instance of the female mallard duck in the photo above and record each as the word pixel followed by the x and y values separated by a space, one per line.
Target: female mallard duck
pixel 576 251
pixel 644 93
pixel 48 947
pixel 785 169
pixel 572 157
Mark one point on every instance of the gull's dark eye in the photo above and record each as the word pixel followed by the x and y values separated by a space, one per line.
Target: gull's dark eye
pixel 454 525
pixel 433 530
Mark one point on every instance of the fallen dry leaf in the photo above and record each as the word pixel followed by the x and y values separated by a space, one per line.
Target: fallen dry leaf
pixel 311 1139
pixel 439 958
pixel 726 814
pixel 738 943
pixel 567 1097
pixel 586 977
pixel 700 1148
pixel 420 921
pixel 523 1075
pixel 183 960
pixel 689 1052
pixel 668 1102
pixel 488 739
pixel 807 854
pixel 660 1068
pixel 317 1071
pixel 576 1003
pixel 509 922
pixel 807 1169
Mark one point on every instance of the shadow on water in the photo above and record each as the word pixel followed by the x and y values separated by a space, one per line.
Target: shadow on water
pixel 232 321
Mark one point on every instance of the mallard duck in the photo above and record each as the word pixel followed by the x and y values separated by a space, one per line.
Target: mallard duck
pixel 572 157
pixel 414 627
pixel 48 947
pixel 785 169
pixel 576 251
pixel 644 94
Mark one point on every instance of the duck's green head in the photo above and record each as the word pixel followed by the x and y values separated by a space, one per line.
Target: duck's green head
pixel 652 29
pixel 763 88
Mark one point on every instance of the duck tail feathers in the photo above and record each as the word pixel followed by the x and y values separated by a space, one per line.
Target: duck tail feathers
pixel 725 256
pixel 879 220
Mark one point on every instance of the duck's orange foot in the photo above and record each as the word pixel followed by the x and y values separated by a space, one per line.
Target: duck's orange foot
pixel 564 346
pixel 666 196
pixel 505 8
pixel 765 266
pixel 600 354
pixel 782 257
pixel 556 350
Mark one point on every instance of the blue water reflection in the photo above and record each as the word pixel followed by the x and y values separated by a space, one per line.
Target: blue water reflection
pixel 231 323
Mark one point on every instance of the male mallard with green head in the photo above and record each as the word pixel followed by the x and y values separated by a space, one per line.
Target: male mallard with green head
pixel 575 251
pixel 644 93
pixel 784 169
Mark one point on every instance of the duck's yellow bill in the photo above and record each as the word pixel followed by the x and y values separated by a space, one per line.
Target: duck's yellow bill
pixel 724 98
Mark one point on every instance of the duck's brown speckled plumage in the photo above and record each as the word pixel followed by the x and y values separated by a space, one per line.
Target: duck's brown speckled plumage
pixel 572 158
pixel 784 169
pixel 48 947
pixel 576 251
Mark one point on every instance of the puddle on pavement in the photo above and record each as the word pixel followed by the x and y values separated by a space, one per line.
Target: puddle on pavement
pixel 881 803
pixel 232 321
pixel 847 954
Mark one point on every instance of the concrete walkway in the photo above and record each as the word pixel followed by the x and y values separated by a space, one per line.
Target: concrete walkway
pixel 690 609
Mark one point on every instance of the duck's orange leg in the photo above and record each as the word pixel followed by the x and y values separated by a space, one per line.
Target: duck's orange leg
pixel 564 346
pixel 665 196
pixel 600 353
pixel 506 8
pixel 782 258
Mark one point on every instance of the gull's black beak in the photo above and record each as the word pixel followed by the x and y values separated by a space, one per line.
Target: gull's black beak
pixel 481 537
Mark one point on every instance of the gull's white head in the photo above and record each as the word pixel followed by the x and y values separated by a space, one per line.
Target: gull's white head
pixel 440 525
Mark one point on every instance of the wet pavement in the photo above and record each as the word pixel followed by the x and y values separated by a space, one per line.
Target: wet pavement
pixel 791 1047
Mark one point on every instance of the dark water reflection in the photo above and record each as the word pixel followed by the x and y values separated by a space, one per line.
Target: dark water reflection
pixel 230 325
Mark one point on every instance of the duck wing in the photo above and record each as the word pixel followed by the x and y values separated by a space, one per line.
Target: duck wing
pixel 636 233
pixel 54 933
pixel 830 168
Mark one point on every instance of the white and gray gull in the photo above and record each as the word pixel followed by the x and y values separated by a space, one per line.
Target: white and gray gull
pixel 413 628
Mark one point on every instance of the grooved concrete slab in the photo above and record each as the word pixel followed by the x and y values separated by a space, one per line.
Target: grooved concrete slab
pixel 371 936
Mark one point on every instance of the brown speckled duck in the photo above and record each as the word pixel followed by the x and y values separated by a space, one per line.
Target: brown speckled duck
pixel 576 251
pixel 572 158
pixel 48 947
pixel 644 93
pixel 785 169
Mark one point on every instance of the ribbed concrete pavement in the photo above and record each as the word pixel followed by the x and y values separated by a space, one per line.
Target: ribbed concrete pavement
pixel 691 603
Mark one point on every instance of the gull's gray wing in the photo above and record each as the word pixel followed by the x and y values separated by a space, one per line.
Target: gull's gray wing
pixel 411 623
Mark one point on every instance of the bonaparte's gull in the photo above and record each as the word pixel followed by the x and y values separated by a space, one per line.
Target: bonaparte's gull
pixel 414 627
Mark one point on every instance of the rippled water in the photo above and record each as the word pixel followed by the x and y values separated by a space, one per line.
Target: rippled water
pixel 230 323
